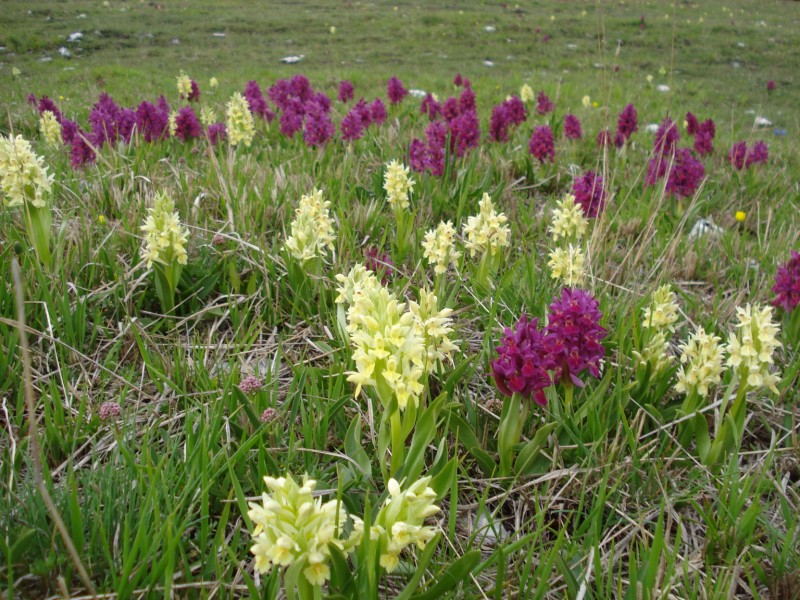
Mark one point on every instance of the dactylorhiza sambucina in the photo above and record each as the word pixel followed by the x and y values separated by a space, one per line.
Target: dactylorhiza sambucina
pixel 521 365
pixel 312 229
pixel 398 185
pixel 568 222
pixel 24 182
pixel 50 129
pixel 751 346
pixel 573 336
pixel 394 347
pixel 165 237
pixel 23 175
pixel 658 324
pixel 568 265
pixel 291 527
pixel 439 247
pixel 401 520
pixel 787 284
pixel 486 232
pixel 239 121
pixel 701 364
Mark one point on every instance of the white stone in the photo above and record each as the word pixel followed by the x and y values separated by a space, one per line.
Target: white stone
pixel 704 227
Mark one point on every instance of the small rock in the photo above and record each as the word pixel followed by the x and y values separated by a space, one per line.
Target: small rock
pixel 75 37
pixel 662 88
pixel 81 16
pixel 704 227
pixel 490 29
pixel 45 59
pixel 64 52
pixel 572 46
pixel 736 64
pixel 291 60
pixel 741 45
pixel 488 63
pixel 488 533
pixel 763 122
pixel 175 41
pixel 218 34
pixel 652 128
pixel 418 93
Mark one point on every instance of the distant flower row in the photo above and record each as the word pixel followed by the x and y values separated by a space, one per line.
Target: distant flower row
pixel 454 129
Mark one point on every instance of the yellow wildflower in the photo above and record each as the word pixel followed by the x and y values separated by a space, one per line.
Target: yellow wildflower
pixel 184 85
pixel 165 237
pixel 486 232
pixel 401 521
pixel 439 246
pixel 663 310
pixel 291 527
pixel 701 363
pixel 586 101
pixel 207 116
pixel 50 129
pixel 526 93
pixel 398 184
pixel 751 347
pixel 312 229
pixel 23 176
pixel 567 265
pixel 568 220
pixel 241 127
pixel 213 83
pixel 740 216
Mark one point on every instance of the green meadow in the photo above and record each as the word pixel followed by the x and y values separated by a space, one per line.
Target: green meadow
pixel 143 402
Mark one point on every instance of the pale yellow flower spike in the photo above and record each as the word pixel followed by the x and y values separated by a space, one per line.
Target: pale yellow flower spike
pixel 312 229
pixel 398 185
pixel 240 124
pixel 23 175
pixel 487 231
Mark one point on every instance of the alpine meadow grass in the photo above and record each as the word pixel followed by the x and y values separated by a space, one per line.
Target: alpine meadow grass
pixel 377 300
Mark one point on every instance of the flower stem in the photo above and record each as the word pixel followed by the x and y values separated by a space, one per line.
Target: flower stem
pixel 398 442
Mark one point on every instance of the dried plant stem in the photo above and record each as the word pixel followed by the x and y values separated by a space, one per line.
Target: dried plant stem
pixel 33 431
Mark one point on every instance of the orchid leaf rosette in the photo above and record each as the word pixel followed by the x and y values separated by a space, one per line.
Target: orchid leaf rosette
pixel 25 183
pixel 294 533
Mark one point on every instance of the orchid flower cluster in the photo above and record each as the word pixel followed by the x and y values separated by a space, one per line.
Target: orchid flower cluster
pixel 312 230
pixel 659 319
pixel 487 235
pixel 749 350
pixel 401 521
pixel 787 297
pixel 398 185
pixel 24 182
pixel 567 260
pixel 395 347
pixel 294 531
pixel 240 123
pixel 165 247
pixel 439 247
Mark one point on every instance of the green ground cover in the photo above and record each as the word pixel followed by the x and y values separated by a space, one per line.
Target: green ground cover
pixel 609 490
